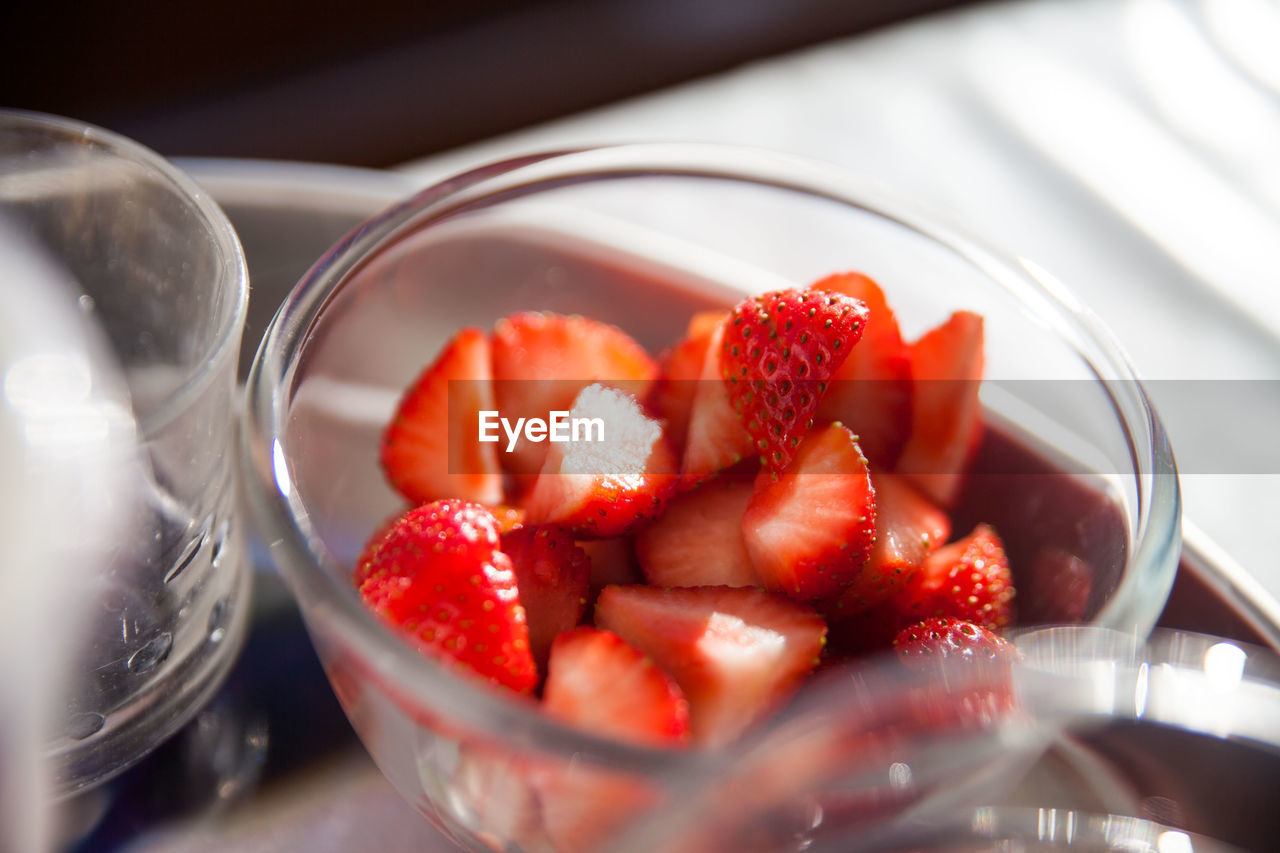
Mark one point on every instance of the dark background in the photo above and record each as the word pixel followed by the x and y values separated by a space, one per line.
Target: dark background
pixel 382 81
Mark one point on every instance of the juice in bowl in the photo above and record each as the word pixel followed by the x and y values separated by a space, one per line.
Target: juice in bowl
pixel 996 433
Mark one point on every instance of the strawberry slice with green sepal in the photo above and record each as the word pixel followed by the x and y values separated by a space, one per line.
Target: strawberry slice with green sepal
pixel 601 488
pixel 809 529
pixel 679 369
pixel 946 426
pixel 438 578
pixel 431 449
pixel 697 541
pixel 871 392
pixel 779 352
pixel 716 438
pixel 601 683
pixel 969 579
pixel 554 578
pixel 736 652
pixel 541 361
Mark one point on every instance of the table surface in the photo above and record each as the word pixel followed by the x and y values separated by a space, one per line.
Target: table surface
pixel 1121 144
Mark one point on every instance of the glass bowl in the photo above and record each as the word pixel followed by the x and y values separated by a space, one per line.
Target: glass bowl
pixel 151 262
pixel 1073 459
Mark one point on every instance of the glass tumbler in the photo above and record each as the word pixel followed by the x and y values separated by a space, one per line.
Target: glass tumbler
pixel 642 236
pixel 154 264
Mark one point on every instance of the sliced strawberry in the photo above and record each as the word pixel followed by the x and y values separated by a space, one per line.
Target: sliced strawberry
pixel 671 396
pixel 703 323
pixel 554 576
pixel 809 530
pixel 946 426
pixel 737 653
pixel 909 527
pixel 942 638
pixel 698 539
pixel 968 579
pixel 871 392
pixel 1057 589
pixel 605 487
pixel 716 438
pixel 438 578
pixel 613 561
pixel 432 448
pixel 586 805
pixel 509 518
pixel 598 681
pixel 541 361
pixel 778 354
pixel 934 646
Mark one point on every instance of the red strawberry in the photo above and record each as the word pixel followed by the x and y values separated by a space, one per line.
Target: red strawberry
pixel 698 539
pixel 598 681
pixel 509 518
pixel 953 700
pixel 968 579
pixel 432 448
pixel 942 638
pixel 809 530
pixel 736 652
pixel 908 528
pixel 1056 591
pixel 541 361
pixel 680 367
pixel 871 392
pixel 778 353
pixel 716 438
pixel 605 487
pixel 613 561
pixel 553 575
pixel 946 427
pixel 438 577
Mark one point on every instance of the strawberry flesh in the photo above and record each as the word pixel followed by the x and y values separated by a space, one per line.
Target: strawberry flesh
pixel 542 360
pixel 716 437
pixel 946 427
pixel 871 391
pixel 431 449
pixel 602 488
pixel 778 354
pixel 698 539
pixel 554 576
pixel 737 653
pixel 597 681
pixel 809 530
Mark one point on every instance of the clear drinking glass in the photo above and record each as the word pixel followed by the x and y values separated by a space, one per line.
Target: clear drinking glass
pixel 641 236
pixel 158 269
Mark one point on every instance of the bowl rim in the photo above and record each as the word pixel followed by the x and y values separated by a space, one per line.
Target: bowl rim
pixel 233 270
pixel 313 572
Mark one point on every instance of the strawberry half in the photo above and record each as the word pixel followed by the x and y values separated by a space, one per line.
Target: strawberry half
pixel 942 638
pixel 778 353
pixel 438 578
pixel 737 653
pixel 432 448
pixel 541 361
pixel 680 367
pixel 809 530
pixel 946 427
pixel 968 579
pixel 871 392
pixel 600 488
pixel 909 527
pixel 1057 589
pixel 554 577
pixel 597 681
pixel 697 541
pixel 716 438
